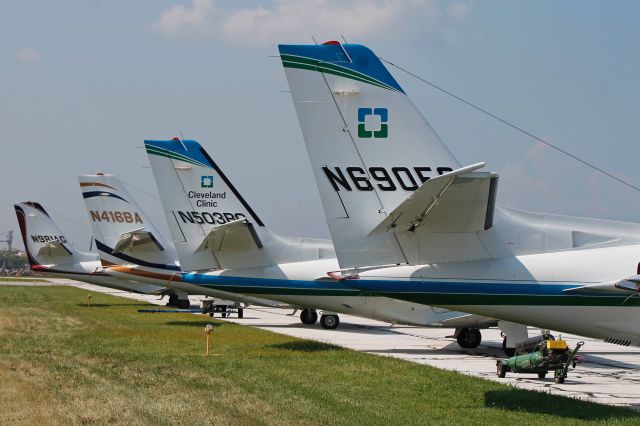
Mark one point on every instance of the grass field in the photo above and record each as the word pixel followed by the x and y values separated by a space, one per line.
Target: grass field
pixel 26 279
pixel 62 362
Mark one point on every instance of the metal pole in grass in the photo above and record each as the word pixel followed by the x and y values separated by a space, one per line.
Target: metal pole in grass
pixel 208 329
pixel 88 300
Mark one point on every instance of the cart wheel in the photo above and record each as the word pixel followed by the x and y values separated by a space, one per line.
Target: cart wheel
pixel 240 312
pixel 560 379
pixel 502 370
pixel 542 374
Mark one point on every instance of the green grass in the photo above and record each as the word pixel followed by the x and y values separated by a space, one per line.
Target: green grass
pixel 62 362
pixel 27 279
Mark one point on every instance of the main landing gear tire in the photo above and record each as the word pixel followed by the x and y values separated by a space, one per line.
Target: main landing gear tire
pixel 469 338
pixel 308 316
pixel 507 351
pixel 329 322
pixel 184 303
pixel 542 374
pixel 240 313
pixel 173 300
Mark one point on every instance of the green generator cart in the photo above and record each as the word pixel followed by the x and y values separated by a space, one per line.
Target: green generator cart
pixel 539 355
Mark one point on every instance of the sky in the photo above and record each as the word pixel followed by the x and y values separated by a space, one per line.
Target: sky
pixel 82 84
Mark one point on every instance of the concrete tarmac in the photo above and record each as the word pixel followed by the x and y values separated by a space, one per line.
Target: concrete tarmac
pixel 610 374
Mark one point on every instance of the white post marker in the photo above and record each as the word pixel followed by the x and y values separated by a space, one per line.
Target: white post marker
pixel 208 329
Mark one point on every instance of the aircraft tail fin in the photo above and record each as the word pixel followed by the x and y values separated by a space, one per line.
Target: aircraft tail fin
pixel 370 149
pixel 211 224
pixel 207 216
pixel 44 242
pixel 123 233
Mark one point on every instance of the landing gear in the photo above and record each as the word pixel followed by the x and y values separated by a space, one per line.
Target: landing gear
pixel 308 316
pixel 542 374
pixel 173 300
pixel 469 338
pixel 507 351
pixel 329 322
pixel 177 302
pixel 513 333
pixel 240 313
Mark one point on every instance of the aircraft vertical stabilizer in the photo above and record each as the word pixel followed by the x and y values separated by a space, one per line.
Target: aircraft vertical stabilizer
pixel 44 242
pixel 371 149
pixel 123 234
pixel 211 224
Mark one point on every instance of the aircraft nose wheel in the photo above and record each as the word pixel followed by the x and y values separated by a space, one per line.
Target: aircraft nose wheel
pixel 308 316
pixel 184 303
pixel 329 322
pixel 469 338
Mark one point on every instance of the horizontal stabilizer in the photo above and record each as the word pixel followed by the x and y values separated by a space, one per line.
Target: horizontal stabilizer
pixel 231 236
pixel 54 248
pixel 598 288
pixel 455 202
pixel 137 240
pixel 630 284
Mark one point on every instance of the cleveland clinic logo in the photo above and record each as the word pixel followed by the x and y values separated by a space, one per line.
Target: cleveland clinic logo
pixel 373 122
pixel 206 181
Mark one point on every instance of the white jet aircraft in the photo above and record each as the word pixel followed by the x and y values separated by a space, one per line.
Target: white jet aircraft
pixel 49 252
pixel 220 237
pixel 410 223
pixel 131 247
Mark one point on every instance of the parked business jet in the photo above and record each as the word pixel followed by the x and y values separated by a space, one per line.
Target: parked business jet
pixel 49 252
pixel 131 247
pixel 226 246
pixel 409 222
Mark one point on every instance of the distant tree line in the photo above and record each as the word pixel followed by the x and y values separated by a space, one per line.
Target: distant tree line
pixel 13 260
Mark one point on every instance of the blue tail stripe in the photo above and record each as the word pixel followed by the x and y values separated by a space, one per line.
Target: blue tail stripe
pixel 363 60
pixel 193 149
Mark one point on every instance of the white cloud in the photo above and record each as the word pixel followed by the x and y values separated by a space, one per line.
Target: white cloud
pixel 458 10
pixel 294 20
pixel 27 54
pixel 180 19
pixel 300 20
